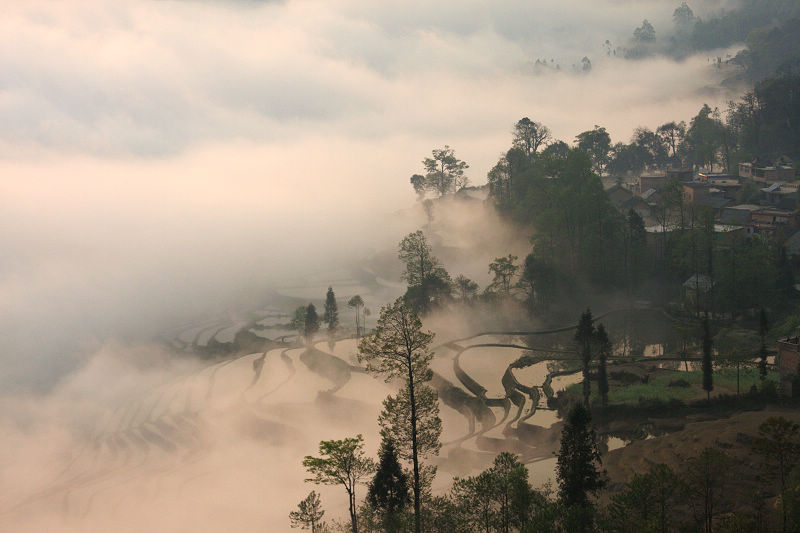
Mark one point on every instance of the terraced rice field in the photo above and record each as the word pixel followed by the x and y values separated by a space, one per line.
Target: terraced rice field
pixel 229 436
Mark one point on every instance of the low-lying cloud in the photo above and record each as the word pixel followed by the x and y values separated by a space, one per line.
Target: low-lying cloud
pixel 163 160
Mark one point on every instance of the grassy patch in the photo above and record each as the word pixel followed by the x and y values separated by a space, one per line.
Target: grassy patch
pixel 658 389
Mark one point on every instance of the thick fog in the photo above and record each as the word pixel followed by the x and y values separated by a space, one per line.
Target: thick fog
pixel 162 162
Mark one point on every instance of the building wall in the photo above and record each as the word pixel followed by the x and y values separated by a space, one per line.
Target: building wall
pixel 694 194
pixel 651 182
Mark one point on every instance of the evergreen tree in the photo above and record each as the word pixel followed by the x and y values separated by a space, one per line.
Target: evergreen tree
pixel 388 492
pixel 399 350
pixel 578 466
pixel 603 351
pixel 309 513
pixel 311 326
pixel 584 336
pixel 708 367
pixel 331 316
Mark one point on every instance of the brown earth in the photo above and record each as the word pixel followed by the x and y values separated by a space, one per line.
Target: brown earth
pixel 733 435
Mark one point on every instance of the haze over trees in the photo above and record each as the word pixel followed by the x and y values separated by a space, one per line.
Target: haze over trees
pixel 331 316
pixel 503 270
pixel 357 303
pixel 311 324
pixel 465 288
pixel 444 173
pixel 429 284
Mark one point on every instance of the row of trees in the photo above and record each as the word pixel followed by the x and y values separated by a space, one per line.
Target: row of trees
pixel 662 499
pixel 431 286
pixel 307 322
pixel 761 125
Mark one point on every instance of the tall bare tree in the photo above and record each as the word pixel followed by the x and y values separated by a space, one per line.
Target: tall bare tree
pixel 399 350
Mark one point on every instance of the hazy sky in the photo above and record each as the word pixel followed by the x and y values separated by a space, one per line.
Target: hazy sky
pixel 160 158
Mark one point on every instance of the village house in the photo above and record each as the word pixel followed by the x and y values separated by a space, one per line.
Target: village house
pixel 618 195
pixel 780 195
pixel 777 217
pixel 781 170
pixel 638 205
pixel 680 174
pixel 624 200
pixel 727 187
pixel 650 181
pixel 695 191
pixel 716 202
pixel 738 214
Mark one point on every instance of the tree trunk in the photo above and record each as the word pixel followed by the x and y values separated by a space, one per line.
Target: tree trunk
pixel 353 517
pixel 587 386
pixel 587 391
pixel 415 459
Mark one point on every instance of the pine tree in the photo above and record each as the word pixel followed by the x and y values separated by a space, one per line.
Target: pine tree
pixel 309 513
pixel 331 315
pixel 708 368
pixel 584 336
pixel 603 351
pixel 311 324
pixel 578 466
pixel 388 492
pixel 578 459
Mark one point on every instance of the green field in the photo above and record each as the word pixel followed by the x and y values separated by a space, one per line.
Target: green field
pixel 658 386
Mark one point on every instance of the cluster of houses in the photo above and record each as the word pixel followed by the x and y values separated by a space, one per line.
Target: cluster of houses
pixel 771 208
pixel 773 199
